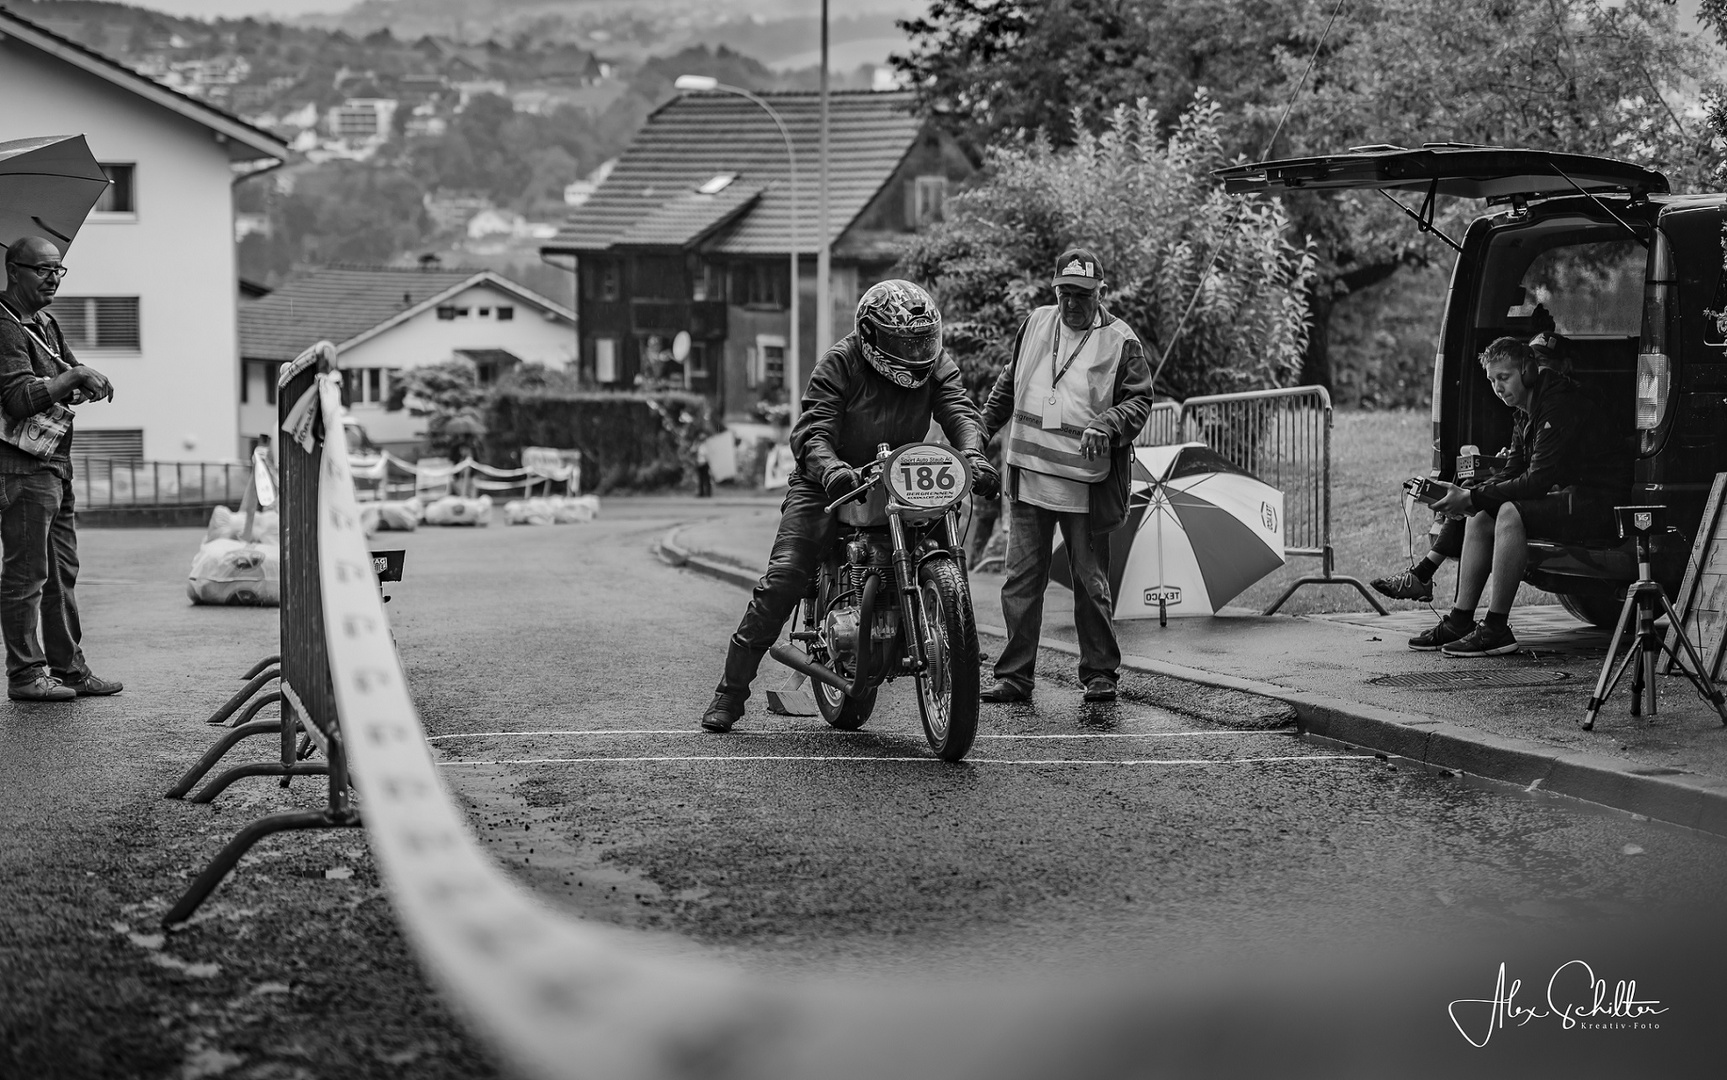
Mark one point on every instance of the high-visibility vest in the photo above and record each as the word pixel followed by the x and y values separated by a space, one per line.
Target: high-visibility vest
pixel 1084 393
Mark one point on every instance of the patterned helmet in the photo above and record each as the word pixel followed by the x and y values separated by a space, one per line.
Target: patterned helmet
pixel 900 329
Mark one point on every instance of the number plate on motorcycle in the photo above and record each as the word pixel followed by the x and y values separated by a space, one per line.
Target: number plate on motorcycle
pixel 928 476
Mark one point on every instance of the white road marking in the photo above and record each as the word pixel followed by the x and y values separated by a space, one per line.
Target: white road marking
pixel 836 732
pixel 927 760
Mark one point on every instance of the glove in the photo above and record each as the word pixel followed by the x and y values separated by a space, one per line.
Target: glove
pixel 985 481
pixel 840 480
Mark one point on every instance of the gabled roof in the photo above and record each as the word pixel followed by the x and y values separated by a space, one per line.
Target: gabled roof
pixel 692 138
pixel 346 305
pixel 689 218
pixel 244 142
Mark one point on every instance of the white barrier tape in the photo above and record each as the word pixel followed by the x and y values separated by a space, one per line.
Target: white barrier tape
pixel 559 998
pixel 837 734
pixel 920 760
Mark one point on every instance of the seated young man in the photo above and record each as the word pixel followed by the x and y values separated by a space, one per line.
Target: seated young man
pixel 1570 481
pixel 1416 582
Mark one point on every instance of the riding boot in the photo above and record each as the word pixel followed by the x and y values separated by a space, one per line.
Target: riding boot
pixel 728 704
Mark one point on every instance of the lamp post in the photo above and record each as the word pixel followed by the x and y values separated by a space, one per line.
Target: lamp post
pixel 704 83
pixel 824 257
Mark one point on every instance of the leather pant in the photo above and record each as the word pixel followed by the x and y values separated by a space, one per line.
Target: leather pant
pixel 805 533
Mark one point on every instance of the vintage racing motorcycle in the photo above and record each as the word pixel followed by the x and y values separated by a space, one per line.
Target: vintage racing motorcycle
pixel 891 599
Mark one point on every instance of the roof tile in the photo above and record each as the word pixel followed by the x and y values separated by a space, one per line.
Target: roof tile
pixel 690 139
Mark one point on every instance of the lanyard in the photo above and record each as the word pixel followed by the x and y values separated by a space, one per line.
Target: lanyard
pixel 1054 354
pixel 35 332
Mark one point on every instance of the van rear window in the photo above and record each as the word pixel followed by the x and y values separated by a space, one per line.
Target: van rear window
pixel 1589 289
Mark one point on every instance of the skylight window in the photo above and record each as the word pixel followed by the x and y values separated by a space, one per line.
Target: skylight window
pixel 718 184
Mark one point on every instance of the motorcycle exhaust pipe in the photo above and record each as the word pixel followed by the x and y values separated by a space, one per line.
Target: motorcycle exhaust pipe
pixel 798 660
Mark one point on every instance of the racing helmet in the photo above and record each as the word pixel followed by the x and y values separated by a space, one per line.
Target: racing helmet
pixel 900 330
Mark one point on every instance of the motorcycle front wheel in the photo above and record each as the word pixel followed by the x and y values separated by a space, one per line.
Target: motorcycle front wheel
pixel 947 690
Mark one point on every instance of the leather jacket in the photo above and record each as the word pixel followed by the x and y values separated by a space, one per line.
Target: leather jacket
pixel 849 408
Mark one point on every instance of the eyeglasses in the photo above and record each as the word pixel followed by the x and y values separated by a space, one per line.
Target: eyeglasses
pixel 44 270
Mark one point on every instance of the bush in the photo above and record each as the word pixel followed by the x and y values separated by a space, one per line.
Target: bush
pixel 633 441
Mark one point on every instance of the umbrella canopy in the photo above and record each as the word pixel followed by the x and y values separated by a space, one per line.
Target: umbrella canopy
pixel 1199 531
pixel 47 187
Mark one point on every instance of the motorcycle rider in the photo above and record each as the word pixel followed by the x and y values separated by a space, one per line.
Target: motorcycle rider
pixel 881 383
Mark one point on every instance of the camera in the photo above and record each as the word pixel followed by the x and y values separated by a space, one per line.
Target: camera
pixel 1423 490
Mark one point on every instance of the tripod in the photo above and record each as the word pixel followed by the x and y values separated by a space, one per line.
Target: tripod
pixel 1641 601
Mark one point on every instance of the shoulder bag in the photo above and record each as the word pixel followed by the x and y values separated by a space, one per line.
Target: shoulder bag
pixel 38 434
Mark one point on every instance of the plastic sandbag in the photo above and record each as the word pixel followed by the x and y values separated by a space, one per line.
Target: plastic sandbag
pixel 227 571
pixel 390 516
pixel 455 510
pixel 226 524
pixel 571 508
pixel 536 511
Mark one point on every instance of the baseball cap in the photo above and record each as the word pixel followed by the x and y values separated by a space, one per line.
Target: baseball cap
pixel 1078 266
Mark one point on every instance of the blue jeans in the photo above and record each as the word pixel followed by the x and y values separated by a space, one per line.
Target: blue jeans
pixel 1030 549
pixel 38 572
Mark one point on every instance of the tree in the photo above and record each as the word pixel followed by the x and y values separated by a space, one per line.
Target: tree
pixel 1575 75
pixel 990 262
pixel 444 393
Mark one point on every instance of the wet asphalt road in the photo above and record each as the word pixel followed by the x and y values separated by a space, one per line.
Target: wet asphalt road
pixel 1074 835
pixel 560 672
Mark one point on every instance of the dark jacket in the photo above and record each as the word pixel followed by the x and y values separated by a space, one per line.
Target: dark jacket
pixel 25 370
pixel 1123 421
pixel 1564 440
pixel 849 407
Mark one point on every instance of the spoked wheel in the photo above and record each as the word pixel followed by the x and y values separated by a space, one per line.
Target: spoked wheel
pixel 845 713
pixel 947 691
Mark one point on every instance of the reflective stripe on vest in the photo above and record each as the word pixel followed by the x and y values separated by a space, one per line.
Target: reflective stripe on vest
pixel 1084 393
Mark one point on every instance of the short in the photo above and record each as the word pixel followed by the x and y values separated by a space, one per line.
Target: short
pixel 1569 514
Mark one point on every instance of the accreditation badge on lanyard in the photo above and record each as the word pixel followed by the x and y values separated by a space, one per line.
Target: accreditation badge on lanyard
pixel 1051 420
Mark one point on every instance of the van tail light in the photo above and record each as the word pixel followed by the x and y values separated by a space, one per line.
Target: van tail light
pixel 1654 375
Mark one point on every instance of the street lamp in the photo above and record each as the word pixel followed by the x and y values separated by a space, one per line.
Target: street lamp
pixel 707 83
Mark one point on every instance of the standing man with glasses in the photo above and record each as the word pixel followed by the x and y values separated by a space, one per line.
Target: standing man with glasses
pixel 38 530
pixel 1075 393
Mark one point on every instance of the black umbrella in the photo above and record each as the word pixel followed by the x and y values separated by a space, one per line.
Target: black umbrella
pixel 47 186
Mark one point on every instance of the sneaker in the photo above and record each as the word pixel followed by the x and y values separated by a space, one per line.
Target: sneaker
pixel 1484 641
pixel 1099 689
pixel 1003 692
pixel 1440 636
pixel 43 687
pixel 93 685
pixel 1404 586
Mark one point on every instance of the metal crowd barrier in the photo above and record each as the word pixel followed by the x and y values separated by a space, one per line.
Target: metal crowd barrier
pixel 1284 438
pixel 1162 427
pixel 108 483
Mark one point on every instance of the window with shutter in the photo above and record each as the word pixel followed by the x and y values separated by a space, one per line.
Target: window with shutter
pixel 99 322
pixel 116 444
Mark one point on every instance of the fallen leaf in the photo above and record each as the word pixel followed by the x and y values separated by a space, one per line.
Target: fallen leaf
pixel 338 873
pixel 1631 849
pixel 270 988
pixel 147 941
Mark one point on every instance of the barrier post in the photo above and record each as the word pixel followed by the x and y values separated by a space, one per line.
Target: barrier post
pixel 1283 437
pixel 308 701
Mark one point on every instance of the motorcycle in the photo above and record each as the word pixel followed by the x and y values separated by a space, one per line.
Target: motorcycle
pixel 891 598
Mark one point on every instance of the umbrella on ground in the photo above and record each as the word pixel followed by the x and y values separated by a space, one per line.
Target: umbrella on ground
pixel 47 187
pixel 1199 531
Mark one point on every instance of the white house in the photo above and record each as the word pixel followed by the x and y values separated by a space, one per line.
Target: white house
pixel 150 297
pixel 385 320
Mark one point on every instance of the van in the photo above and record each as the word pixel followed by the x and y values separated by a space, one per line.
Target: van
pixel 1628 273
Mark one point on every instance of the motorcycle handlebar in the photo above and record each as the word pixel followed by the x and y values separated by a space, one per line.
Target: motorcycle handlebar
pixel 862 489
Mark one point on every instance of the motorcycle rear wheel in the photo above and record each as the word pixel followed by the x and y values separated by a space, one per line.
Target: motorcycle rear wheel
pixel 947 690
pixel 840 711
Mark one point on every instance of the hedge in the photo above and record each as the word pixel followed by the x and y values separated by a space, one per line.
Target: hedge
pixel 627 440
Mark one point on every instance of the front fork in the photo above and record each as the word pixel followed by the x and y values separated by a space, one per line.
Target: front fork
pixel 911 599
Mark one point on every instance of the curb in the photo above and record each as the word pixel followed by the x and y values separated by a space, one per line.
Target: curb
pixel 1696 802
